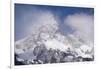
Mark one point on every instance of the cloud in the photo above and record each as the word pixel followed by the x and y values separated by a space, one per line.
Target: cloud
pixel 45 21
pixel 83 24
pixel 37 20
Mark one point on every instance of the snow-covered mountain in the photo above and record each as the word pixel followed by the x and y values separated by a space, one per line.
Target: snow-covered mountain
pixel 47 45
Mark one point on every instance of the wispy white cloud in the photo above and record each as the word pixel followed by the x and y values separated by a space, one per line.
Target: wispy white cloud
pixel 39 20
pixel 45 21
pixel 82 24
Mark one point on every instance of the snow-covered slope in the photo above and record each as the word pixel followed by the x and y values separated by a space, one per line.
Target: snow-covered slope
pixel 56 42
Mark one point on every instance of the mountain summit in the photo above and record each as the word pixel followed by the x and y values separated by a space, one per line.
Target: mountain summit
pixel 48 45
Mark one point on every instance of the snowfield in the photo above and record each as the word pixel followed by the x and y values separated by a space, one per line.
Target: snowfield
pixel 54 44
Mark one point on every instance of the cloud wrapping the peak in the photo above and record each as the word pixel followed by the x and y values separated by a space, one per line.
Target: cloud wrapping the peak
pixel 35 21
pixel 45 21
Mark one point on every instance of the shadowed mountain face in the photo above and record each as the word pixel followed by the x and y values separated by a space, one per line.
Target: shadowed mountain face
pixel 41 55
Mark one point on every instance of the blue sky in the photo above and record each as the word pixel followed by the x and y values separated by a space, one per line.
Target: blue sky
pixel 24 16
